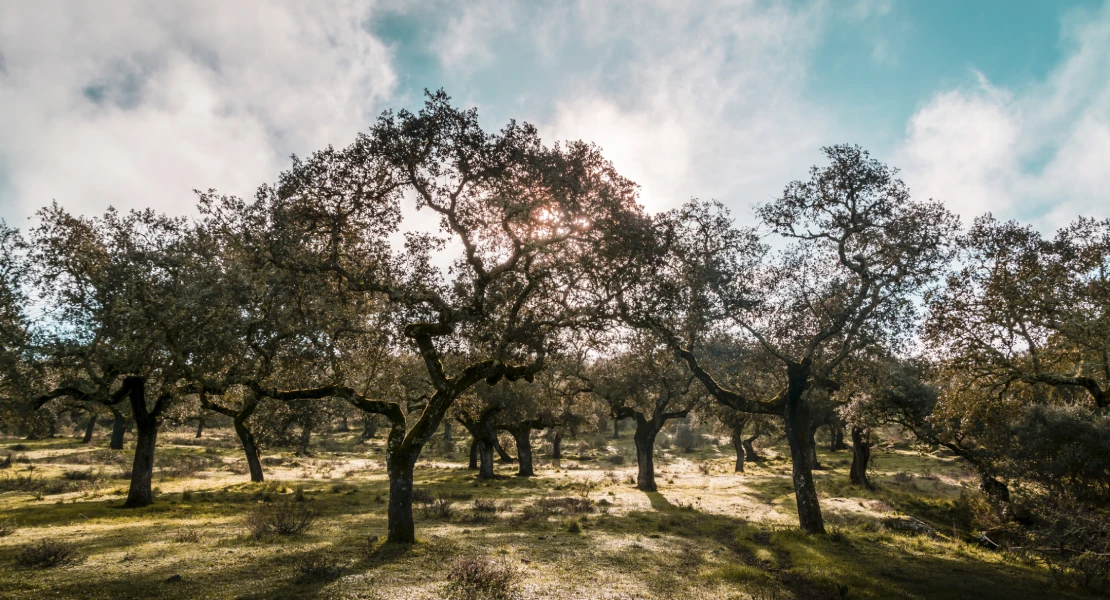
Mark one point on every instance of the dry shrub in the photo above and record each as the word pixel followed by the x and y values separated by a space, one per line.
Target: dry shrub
pixel 7 527
pixel 316 567
pixel 187 467
pixel 280 518
pixel 6 463
pixel 86 475
pixel 45 554
pixel 477 578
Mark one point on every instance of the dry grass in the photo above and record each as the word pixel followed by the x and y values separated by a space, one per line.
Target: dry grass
pixel 709 534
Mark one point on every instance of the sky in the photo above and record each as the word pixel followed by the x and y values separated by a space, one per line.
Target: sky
pixel 992 105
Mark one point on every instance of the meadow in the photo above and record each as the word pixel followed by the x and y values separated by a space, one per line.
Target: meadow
pixel 578 529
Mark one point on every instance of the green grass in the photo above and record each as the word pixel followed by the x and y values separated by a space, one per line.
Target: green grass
pixel 715 535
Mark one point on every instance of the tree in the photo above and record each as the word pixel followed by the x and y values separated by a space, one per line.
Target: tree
pixel 646 384
pixel 855 248
pixel 126 317
pixel 1022 310
pixel 526 219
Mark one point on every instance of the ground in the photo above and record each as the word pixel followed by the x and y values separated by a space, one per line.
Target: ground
pixel 707 532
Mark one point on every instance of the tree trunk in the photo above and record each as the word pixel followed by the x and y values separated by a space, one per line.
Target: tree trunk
pixel 749 449
pixel 798 436
pixel 485 460
pixel 251 450
pixel 142 469
pixel 473 454
pixel 502 456
pixel 200 426
pixel 557 446
pixel 447 430
pixel 616 428
pixel 738 445
pixel 645 459
pixel 302 443
pixel 811 448
pixel 119 427
pixel 861 455
pixel 401 528
pixel 369 429
pixel 343 426
pixel 995 489
pixel 89 429
pixel 836 438
pixel 523 437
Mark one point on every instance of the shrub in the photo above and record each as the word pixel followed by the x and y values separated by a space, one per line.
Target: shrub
pixel 685 438
pixel 6 463
pixel 7 527
pixel 316 567
pixel 475 578
pixel 45 554
pixel 280 518
pixel 482 505
pixel 27 482
pixel 615 459
pixel 187 466
pixel 572 526
pixel 88 475
pixel 18 448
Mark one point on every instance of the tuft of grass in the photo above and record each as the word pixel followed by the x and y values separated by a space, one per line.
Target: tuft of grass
pixel 479 578
pixel 46 554
pixel 283 518
pixel 316 567
pixel 188 535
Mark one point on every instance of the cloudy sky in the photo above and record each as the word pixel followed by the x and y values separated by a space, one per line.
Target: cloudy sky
pixel 993 105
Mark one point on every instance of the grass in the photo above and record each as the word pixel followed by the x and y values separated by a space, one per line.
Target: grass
pixel 576 530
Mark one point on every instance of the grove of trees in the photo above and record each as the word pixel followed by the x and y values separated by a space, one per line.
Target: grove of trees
pixel 542 300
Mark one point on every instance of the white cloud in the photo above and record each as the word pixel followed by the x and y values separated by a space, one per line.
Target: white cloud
pixel 134 103
pixel 704 101
pixel 1037 154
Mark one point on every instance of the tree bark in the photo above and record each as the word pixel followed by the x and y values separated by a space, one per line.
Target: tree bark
pixel 343 426
pixel 302 443
pixel 502 456
pixel 796 419
pixel 811 448
pixel 616 428
pixel 200 426
pixel 250 447
pixel 473 454
pixel 485 460
pixel 369 429
pixel 749 449
pixel 644 439
pixel 401 528
pixel 861 456
pixel 89 427
pixel 557 446
pixel 523 437
pixel 447 430
pixel 142 469
pixel 119 427
pixel 836 438
pixel 738 445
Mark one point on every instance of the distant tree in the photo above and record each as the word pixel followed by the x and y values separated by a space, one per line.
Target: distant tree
pixel 644 383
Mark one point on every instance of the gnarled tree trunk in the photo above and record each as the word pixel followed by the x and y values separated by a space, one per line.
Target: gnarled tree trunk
pixel 738 446
pixel 523 437
pixel 644 439
pixel 473 455
pixel 251 450
pixel 749 449
pixel 485 460
pixel 200 426
pixel 399 465
pixel 798 437
pixel 302 442
pixel 861 456
pixel 142 469
pixel 811 448
pixel 89 427
pixel 369 429
pixel 557 446
pixel 119 427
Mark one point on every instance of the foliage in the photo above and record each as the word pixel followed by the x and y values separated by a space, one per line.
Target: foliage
pixel 47 553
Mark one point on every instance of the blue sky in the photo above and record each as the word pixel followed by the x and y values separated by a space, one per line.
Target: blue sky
pixel 990 105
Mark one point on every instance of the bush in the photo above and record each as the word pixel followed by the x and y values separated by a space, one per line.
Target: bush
pixel 7 527
pixel 685 438
pixel 45 554
pixel 615 459
pixel 88 475
pixel 316 567
pixel 480 579
pixel 6 463
pixel 280 518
